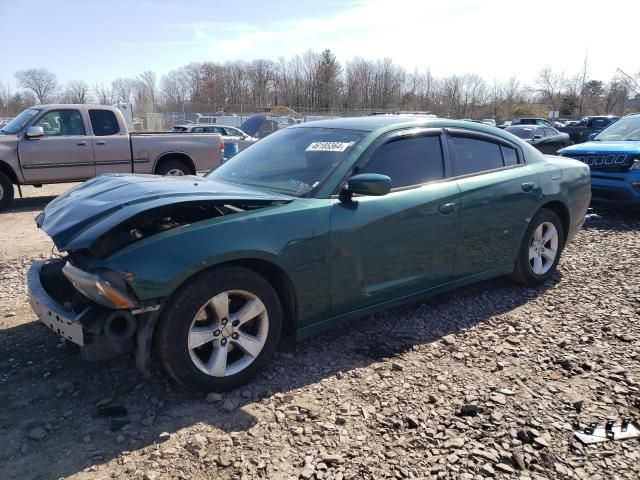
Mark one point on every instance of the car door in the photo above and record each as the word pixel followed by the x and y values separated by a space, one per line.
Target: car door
pixel 238 137
pixel 63 153
pixel 499 192
pixel 111 146
pixel 382 248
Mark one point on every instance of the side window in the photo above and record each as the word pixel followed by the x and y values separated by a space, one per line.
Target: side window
pixel 408 161
pixel 509 155
pixel 198 129
pixel 548 132
pixel 474 155
pixel 104 123
pixel 217 130
pixel 62 123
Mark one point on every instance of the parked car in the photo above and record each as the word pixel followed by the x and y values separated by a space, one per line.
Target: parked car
pixel 580 130
pixel 546 139
pixel 613 156
pixel 312 226
pixel 69 143
pixel 229 134
pixel 531 121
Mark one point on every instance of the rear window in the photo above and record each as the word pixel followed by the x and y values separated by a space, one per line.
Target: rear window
pixel 474 155
pixel 104 122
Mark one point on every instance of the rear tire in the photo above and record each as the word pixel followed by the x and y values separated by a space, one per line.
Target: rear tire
pixel 6 191
pixel 175 168
pixel 540 251
pixel 219 329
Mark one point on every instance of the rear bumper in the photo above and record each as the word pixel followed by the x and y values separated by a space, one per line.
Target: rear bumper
pixel 615 190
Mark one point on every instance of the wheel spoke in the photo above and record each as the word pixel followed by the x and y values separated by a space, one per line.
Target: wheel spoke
pixel 217 364
pixel 550 233
pixel 198 336
pixel 532 253
pixel 549 254
pixel 537 265
pixel 249 311
pixel 250 344
pixel 537 233
pixel 220 304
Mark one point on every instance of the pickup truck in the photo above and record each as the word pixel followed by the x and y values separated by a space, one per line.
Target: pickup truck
pixel 581 131
pixel 613 155
pixel 70 143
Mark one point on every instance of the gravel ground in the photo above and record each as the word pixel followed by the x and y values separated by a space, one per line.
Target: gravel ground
pixel 485 381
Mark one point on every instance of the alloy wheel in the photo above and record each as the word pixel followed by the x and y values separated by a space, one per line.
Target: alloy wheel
pixel 543 248
pixel 228 333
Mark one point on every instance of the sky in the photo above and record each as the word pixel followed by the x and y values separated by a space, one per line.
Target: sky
pixel 98 41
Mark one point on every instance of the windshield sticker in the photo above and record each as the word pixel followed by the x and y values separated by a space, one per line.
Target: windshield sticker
pixel 328 147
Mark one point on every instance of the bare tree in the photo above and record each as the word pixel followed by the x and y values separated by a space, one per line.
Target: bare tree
pixel 550 87
pixel 148 81
pixel 632 81
pixel 123 89
pixel 40 81
pixel 103 94
pixel 77 91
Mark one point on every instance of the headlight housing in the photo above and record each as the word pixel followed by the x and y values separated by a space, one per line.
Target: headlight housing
pixel 97 288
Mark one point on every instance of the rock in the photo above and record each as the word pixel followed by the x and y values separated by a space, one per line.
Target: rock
pixel 454 443
pixel 625 337
pixel 412 422
pixel 487 470
pixel 225 460
pixel 10 314
pixel 198 441
pixel 503 467
pixel 37 433
pixel 398 367
pixel 332 459
pixel 518 461
pixel 541 442
pixel 229 405
pixel 213 397
pixel 150 475
pixel 164 436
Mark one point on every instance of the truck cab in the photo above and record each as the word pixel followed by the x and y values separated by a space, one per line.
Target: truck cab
pixel 613 155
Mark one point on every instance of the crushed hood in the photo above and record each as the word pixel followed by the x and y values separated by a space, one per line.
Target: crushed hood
pixel 78 217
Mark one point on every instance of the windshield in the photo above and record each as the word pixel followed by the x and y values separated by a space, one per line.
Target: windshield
pixel 18 123
pixel 624 129
pixel 522 132
pixel 293 161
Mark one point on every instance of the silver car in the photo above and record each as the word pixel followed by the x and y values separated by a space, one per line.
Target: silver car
pixel 229 134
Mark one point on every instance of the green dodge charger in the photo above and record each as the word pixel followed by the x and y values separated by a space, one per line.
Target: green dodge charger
pixel 312 226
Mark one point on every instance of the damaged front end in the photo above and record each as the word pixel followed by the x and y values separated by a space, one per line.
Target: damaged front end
pixel 92 310
pixel 78 296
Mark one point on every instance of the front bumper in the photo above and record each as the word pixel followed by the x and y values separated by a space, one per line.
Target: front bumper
pixel 615 189
pixel 65 323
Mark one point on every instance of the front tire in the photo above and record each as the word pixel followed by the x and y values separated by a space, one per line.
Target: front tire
pixel 219 329
pixel 6 191
pixel 541 248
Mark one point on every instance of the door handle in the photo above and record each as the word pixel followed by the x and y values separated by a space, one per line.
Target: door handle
pixel 447 208
pixel 101 142
pixel 82 143
pixel 527 186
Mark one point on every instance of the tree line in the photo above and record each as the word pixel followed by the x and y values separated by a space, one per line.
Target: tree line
pixel 317 82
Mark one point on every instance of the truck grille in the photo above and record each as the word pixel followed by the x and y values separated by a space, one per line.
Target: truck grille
pixel 608 162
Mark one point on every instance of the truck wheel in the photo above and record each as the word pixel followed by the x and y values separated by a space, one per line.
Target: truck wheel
pixel 173 168
pixel 6 191
pixel 540 250
pixel 219 329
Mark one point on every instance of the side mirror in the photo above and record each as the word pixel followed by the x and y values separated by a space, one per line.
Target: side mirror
pixel 537 137
pixel 372 184
pixel 35 132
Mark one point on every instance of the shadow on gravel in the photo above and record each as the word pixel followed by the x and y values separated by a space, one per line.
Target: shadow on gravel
pixel 623 220
pixel 29 204
pixel 49 398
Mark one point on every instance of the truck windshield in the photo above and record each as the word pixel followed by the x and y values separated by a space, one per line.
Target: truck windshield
pixel 18 123
pixel 293 161
pixel 625 129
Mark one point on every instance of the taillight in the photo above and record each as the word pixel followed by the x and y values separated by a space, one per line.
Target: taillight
pixel 221 145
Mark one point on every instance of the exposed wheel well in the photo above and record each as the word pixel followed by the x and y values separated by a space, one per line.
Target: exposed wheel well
pixel 8 171
pixel 181 157
pixel 562 211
